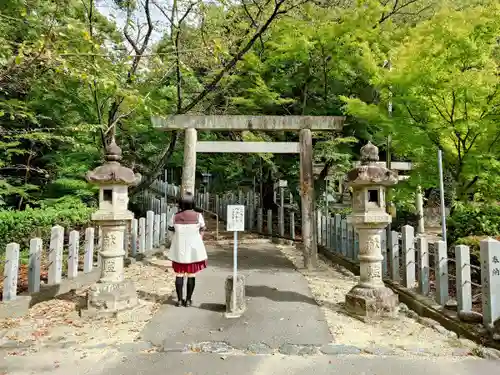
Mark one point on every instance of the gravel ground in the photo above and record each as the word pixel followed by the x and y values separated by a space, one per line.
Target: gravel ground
pixel 57 324
pixel 408 335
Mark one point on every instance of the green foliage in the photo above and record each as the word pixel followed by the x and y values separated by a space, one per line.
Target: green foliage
pixel 344 212
pixel 474 220
pixel 46 115
pixel 474 245
pixel 21 226
pixel 444 90
pixel 70 78
pixel 471 223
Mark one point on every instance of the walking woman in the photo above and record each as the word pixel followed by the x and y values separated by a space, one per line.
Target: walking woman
pixel 187 250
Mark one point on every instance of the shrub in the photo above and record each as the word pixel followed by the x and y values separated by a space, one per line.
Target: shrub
pixel 21 226
pixel 473 220
pixel 344 212
pixel 473 243
pixel 404 217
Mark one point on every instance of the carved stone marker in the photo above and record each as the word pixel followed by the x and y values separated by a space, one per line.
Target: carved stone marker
pixel 238 307
pixel 112 293
pixel 370 298
pixel 490 284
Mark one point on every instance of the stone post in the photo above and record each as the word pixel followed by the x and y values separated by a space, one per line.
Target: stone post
pixel 112 293
pixel 490 284
pixel 260 220
pixel 270 222
pixel 189 168
pixel 463 275
pixel 251 212
pixel 419 203
pixel 441 271
pixel 282 210
pixel 370 298
pixel 35 260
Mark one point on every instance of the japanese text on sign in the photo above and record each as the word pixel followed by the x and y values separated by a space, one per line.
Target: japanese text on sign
pixel 496 265
pixel 235 218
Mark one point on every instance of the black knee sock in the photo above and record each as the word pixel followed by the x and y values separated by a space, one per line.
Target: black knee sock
pixel 179 284
pixel 190 287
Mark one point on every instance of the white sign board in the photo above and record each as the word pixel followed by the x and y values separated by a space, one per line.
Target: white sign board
pixel 235 218
pixel 283 183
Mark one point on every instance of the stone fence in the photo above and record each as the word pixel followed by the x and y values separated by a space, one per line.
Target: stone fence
pixel 28 271
pixel 425 267
pixel 148 199
pixel 429 269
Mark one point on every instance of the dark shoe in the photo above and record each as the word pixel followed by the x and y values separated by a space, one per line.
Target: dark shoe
pixel 188 303
pixel 180 303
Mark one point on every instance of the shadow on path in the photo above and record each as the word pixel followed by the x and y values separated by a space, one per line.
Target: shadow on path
pixel 277 295
pixel 264 257
pixel 215 307
pixel 164 299
pixel 280 308
pixel 263 291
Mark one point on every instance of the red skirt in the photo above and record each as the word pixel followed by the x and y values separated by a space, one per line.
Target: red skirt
pixel 189 267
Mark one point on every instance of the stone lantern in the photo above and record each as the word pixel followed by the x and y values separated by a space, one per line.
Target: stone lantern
pixel 370 298
pixel 112 292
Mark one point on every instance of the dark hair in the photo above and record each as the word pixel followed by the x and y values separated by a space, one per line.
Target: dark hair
pixel 186 202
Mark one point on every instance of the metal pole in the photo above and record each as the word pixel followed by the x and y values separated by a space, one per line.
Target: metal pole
pixel 261 178
pixel 388 202
pixel 327 214
pixel 441 188
pixel 389 111
pixel 388 65
pixel 282 211
pixel 166 187
pixel 235 269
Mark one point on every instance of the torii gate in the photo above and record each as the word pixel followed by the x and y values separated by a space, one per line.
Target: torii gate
pixel 304 124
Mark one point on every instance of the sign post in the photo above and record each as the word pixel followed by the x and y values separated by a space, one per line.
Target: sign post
pixel 235 223
pixel 282 184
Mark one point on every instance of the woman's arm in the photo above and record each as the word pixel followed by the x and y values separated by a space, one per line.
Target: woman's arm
pixel 201 222
pixel 170 225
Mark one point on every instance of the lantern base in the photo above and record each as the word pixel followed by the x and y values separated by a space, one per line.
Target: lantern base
pixel 107 299
pixel 372 303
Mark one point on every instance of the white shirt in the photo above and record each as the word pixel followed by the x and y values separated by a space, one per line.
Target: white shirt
pixel 187 245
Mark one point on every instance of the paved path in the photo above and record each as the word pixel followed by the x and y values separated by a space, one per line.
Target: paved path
pixel 280 308
pixel 283 332
pixel 209 364
pixel 134 363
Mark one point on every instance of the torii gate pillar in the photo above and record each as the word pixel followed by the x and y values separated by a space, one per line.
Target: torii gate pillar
pixel 310 251
pixel 189 167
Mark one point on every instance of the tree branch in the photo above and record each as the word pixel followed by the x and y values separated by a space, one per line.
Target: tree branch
pixel 126 33
pixel 396 8
pixel 112 117
pixel 207 90
pixel 438 109
pixel 237 57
